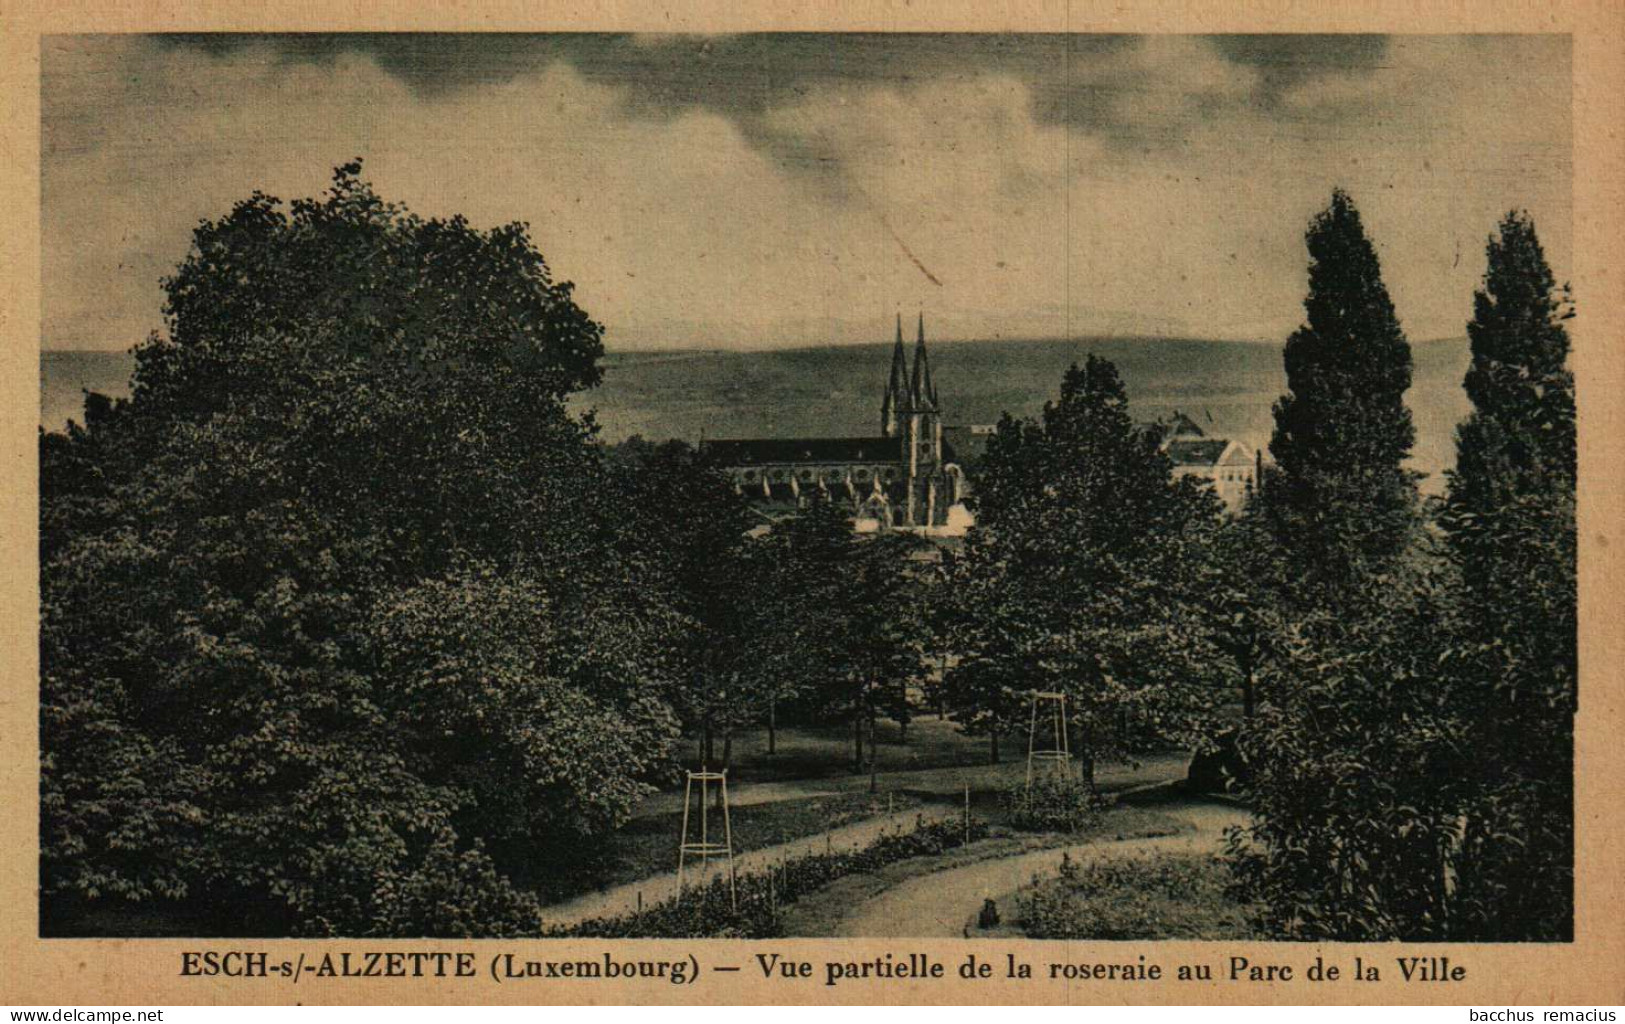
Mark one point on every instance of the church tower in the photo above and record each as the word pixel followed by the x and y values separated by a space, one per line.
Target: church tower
pixel 896 400
pixel 922 439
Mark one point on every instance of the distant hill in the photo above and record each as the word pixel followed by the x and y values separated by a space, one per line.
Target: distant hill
pixel 1226 386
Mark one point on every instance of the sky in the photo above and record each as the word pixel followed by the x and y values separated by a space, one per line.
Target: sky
pixel 764 191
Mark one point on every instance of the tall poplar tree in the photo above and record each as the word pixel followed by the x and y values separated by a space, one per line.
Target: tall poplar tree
pixel 1510 519
pixel 1341 497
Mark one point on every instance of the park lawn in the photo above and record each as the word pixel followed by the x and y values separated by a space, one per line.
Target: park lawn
pixel 824 753
pixel 647 845
pixel 821 752
pixel 1147 896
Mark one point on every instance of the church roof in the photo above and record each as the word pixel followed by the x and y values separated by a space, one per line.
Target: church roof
pixel 762 451
pixel 1182 425
pixel 1191 451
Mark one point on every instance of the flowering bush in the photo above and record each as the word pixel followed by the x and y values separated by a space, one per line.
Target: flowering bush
pixel 1053 802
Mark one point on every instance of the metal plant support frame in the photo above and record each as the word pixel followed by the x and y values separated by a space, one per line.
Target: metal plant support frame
pixel 1060 751
pixel 706 850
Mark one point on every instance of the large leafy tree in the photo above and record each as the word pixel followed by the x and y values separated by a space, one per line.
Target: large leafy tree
pixel 843 623
pixel 1081 575
pixel 1340 498
pixel 690 533
pixel 981 624
pixel 1510 519
pixel 1245 578
pixel 346 458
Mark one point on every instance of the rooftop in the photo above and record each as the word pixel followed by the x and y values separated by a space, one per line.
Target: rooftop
pixel 1196 451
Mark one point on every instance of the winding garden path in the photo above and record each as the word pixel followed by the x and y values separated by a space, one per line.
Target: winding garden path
pixel 942 903
pixel 623 899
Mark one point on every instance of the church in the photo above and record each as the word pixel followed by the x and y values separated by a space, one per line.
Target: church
pixel 906 477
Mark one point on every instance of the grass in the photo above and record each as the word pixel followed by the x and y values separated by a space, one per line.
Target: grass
pixel 1159 896
pixel 819 761
pixel 821 757
pixel 823 752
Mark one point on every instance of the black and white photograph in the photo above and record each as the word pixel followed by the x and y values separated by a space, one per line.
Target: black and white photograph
pixel 844 485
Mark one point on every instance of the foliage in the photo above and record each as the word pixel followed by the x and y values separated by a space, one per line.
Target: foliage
pixel 1161 896
pixel 1510 520
pixel 1340 498
pixel 1055 801
pixel 1413 768
pixel 708 911
pixel 260 574
pixel 1245 585
pixel 689 532
pixel 976 618
pixel 432 295
pixel 840 616
pixel 527 705
pixel 1356 771
pixel 1081 577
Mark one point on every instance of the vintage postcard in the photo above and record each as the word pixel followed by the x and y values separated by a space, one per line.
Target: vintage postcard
pixel 886 503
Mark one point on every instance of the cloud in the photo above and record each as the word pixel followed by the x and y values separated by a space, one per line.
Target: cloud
pixel 1285 62
pixel 759 191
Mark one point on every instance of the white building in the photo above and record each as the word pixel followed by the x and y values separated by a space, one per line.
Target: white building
pixel 1231 466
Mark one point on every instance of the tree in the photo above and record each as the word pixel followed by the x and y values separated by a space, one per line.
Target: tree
pixel 348 454
pixel 885 632
pixel 841 624
pixel 1355 770
pixel 404 288
pixel 1245 578
pixel 1510 520
pixel 1080 575
pixel 690 540
pixel 979 620
pixel 1341 499
pixel 1412 773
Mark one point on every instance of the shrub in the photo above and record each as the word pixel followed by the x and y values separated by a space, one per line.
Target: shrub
pixel 1054 802
pixel 1164 896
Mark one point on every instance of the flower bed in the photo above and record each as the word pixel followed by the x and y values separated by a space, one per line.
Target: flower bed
pixel 707 912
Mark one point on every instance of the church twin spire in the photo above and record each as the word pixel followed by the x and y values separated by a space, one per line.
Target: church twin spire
pixel 907 392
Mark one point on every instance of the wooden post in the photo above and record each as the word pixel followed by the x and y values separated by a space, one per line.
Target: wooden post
pixel 874 780
pixel 682 843
pixel 967 812
pixel 728 837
